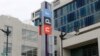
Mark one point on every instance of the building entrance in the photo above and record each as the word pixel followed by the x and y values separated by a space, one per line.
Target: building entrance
pixel 88 50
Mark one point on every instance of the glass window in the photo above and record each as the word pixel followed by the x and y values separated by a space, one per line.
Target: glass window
pixel 37 13
pixel 90 9
pixel 74 5
pixel 55 14
pixel 56 23
pixel 88 50
pixel 50 54
pixel 63 28
pixel 71 17
pixel 71 6
pixel 97 17
pixel 36 22
pixel 28 51
pixel 61 12
pixel 83 12
pixel 65 19
pixel 59 29
pixel 81 23
pixel 68 8
pixel 80 3
pixel 77 14
pixel 97 5
pixel 89 1
pixel 64 10
pixel 58 12
pixel 32 15
pixel 62 21
pixel 70 27
pixel 55 40
pixel 55 53
pixel 76 25
pixel 89 20
pixel 29 35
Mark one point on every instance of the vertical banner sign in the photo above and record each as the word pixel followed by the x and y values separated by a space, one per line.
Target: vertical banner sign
pixel 47 29
pixel 46 15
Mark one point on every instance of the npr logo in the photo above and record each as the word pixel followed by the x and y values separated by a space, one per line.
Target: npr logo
pixel 47 20
pixel 47 29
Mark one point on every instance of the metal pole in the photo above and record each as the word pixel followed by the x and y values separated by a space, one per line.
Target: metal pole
pixel 61 48
pixel 62 38
pixel 46 45
pixel 7 32
pixel 7 46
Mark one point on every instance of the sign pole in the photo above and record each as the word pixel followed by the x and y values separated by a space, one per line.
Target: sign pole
pixel 46 45
pixel 46 16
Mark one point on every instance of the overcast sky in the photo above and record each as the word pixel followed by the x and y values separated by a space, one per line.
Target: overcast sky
pixel 20 9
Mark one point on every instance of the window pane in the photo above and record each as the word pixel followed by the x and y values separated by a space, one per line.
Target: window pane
pixel 59 12
pixel 83 12
pixel 97 17
pixel 77 14
pixel 55 14
pixel 80 3
pixel 71 17
pixel 56 23
pixel 64 10
pixel 97 5
pixel 61 21
pixel 55 40
pixel 81 23
pixel 63 29
pixel 36 22
pixel 70 28
pixel 65 19
pixel 76 25
pixel 89 20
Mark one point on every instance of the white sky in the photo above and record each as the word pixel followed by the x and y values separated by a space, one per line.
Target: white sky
pixel 20 9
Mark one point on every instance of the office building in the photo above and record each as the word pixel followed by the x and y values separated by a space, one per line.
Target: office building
pixel 80 19
pixel 35 17
pixel 23 40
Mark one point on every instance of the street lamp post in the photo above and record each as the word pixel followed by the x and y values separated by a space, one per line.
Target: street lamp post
pixel 7 32
pixel 62 38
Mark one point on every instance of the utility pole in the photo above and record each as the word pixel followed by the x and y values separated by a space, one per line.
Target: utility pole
pixel 7 32
pixel 62 35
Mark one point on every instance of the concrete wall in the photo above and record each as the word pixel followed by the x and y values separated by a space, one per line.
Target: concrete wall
pixel 90 35
pixel 61 3
pixel 75 41
pixel 16 38
pixel 86 38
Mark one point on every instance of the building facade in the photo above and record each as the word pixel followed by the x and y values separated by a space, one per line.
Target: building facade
pixel 80 19
pixel 76 14
pixel 35 17
pixel 43 19
pixel 23 40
